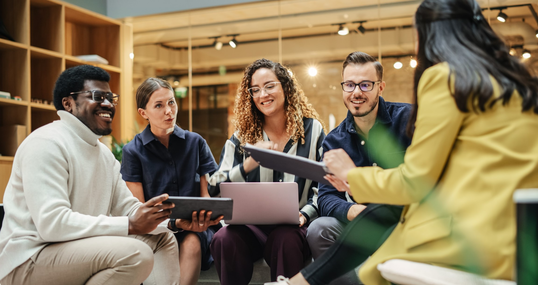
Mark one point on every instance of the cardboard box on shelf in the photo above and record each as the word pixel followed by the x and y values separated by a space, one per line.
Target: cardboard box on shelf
pixel 12 137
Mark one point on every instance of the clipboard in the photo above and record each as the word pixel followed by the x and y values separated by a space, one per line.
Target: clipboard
pixel 184 206
pixel 296 165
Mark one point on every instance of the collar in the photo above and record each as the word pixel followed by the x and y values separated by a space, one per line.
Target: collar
pixel 147 136
pixel 383 116
pixel 78 127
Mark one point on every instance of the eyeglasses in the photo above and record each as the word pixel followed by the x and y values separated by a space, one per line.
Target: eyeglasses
pixel 364 85
pixel 269 88
pixel 100 96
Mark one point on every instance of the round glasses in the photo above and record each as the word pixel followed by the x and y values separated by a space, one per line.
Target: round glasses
pixel 364 86
pixel 269 88
pixel 100 96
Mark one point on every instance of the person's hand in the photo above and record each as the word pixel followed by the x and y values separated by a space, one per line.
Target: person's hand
pixel 338 184
pixel 302 220
pixel 249 164
pixel 339 163
pixel 150 215
pixel 199 223
pixel 354 211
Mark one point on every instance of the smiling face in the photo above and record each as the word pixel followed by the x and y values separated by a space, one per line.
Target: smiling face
pixel 161 111
pixel 269 104
pixel 360 103
pixel 96 116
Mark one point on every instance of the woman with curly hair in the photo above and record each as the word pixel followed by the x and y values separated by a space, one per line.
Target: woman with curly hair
pixel 272 112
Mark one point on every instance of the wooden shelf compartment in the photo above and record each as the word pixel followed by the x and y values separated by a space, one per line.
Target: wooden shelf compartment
pixel 14 14
pixel 14 115
pixel 45 69
pixel 14 68
pixel 90 33
pixel 46 26
pixel 42 116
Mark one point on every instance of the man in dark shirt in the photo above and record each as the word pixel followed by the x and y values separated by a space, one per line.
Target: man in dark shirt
pixel 373 134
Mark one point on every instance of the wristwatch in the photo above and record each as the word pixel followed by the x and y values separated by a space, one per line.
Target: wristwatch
pixel 173 226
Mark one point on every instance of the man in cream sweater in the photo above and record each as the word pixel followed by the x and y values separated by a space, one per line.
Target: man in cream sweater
pixel 70 219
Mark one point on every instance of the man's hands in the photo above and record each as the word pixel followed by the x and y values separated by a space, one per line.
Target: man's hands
pixel 199 223
pixel 150 215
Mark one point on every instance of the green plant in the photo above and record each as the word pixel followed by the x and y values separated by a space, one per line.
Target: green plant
pixel 117 148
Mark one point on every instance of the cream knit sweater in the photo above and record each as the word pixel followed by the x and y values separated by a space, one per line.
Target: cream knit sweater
pixel 64 185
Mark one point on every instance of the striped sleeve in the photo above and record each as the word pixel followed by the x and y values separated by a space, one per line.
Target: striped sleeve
pixel 230 168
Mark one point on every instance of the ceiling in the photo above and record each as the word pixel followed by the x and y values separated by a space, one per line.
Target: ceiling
pixel 307 28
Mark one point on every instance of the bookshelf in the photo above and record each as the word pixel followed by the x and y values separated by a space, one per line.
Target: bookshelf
pixel 48 35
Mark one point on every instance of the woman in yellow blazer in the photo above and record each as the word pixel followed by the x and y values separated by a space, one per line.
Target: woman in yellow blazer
pixel 475 142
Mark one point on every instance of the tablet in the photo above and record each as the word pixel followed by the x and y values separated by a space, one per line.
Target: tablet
pixel 293 164
pixel 186 205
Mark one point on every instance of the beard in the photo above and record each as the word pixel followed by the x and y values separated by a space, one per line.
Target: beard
pixel 371 107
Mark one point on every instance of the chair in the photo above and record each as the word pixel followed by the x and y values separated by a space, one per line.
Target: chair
pixel 403 272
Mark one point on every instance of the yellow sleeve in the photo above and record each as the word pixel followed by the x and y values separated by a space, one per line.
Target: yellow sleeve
pixel 437 126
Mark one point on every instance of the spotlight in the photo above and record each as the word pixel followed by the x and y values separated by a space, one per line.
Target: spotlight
pixel 502 16
pixel 312 71
pixel 361 29
pixel 398 64
pixel 413 63
pixel 513 52
pixel 526 54
pixel 217 44
pixel 536 33
pixel 233 43
pixel 343 30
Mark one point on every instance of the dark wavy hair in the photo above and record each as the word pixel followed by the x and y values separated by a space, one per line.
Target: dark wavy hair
pixel 456 32
pixel 72 80
pixel 249 120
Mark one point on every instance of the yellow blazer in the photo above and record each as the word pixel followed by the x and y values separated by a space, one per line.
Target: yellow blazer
pixel 457 182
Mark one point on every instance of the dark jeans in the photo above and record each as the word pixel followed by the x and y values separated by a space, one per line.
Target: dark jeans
pixel 353 246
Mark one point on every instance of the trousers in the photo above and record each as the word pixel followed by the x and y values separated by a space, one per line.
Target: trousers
pixel 114 260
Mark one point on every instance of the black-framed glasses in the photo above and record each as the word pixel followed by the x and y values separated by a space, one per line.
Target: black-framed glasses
pixel 100 96
pixel 364 86
pixel 269 88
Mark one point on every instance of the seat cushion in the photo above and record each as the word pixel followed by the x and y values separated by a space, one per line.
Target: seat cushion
pixel 405 272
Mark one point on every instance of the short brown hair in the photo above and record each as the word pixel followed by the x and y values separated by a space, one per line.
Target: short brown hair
pixel 362 58
pixel 150 85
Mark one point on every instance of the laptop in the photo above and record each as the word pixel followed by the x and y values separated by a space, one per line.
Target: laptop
pixel 262 203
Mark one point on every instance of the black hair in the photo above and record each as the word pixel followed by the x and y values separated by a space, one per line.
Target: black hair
pixel 72 80
pixel 361 58
pixel 456 32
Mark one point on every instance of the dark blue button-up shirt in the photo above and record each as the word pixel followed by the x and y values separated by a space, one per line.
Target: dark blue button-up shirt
pixel 385 147
pixel 175 170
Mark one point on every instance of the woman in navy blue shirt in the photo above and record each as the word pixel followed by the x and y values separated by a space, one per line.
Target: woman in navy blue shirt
pixel 167 159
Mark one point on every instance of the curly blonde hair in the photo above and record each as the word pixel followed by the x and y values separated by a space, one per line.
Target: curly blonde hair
pixel 249 120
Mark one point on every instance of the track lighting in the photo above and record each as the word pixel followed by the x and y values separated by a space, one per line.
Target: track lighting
pixel 536 33
pixel 413 63
pixel 233 42
pixel 217 44
pixel 526 54
pixel 343 30
pixel 361 29
pixel 398 64
pixel 502 16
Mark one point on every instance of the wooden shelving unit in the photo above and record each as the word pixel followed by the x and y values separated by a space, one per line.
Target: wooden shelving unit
pixel 48 35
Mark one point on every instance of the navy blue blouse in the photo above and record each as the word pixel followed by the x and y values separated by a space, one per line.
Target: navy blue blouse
pixel 175 170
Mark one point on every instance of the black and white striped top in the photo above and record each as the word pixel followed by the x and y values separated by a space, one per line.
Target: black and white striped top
pixel 231 166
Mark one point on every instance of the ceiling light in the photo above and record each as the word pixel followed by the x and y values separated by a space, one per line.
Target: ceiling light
pixel 513 52
pixel 217 44
pixel 233 43
pixel 536 33
pixel 502 16
pixel 312 71
pixel 398 64
pixel 343 30
pixel 526 54
pixel 361 29
pixel 413 63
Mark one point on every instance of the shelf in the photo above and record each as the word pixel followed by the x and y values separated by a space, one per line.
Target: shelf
pixel 42 107
pixel 6 158
pixel 44 53
pixel 15 69
pixel 45 68
pixel 11 102
pixel 8 45
pixel 14 115
pixel 71 61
